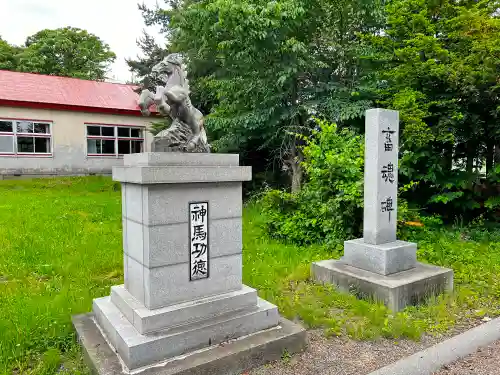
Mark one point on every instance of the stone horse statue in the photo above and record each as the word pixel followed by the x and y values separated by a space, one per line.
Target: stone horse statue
pixel 187 132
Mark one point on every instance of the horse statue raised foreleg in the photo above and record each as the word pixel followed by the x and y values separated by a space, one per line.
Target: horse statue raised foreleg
pixel 161 103
pixel 146 100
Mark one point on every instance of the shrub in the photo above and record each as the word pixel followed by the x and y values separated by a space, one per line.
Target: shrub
pixel 329 206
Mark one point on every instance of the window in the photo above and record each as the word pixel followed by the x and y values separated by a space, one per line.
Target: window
pixel 112 140
pixel 23 137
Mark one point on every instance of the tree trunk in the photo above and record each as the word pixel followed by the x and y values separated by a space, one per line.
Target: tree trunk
pixel 470 157
pixel 295 152
pixel 297 172
pixel 471 153
pixel 497 154
pixel 296 177
pixel 489 157
pixel 448 157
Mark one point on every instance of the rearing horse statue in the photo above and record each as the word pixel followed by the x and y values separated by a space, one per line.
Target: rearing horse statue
pixel 187 132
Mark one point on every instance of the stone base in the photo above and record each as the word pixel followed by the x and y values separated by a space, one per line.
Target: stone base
pixel 148 321
pixel 396 291
pixel 230 358
pixel 138 350
pixel 384 259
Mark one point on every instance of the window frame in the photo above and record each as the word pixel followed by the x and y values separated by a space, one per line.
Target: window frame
pixel 115 138
pixel 15 135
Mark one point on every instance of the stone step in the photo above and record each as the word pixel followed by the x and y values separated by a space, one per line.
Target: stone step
pixel 137 350
pixel 147 321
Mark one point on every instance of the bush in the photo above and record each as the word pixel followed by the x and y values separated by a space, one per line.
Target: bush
pixel 329 208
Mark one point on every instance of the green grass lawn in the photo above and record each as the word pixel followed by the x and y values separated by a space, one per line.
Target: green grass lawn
pixel 60 247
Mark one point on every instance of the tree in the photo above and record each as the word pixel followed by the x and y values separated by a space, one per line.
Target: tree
pixel 151 55
pixel 69 52
pixel 7 55
pixel 201 95
pixel 273 65
pixel 440 64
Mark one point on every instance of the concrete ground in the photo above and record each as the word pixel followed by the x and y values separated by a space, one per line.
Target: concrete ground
pixel 486 361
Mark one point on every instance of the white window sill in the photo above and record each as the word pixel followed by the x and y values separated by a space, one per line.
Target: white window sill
pixel 27 155
pixel 105 156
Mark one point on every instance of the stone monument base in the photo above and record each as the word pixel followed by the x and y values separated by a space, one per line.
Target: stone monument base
pixel 384 259
pixel 143 337
pixel 396 291
pixel 232 357
pixel 183 293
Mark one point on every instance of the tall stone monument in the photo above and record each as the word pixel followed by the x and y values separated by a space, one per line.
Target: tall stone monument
pixel 378 265
pixel 183 308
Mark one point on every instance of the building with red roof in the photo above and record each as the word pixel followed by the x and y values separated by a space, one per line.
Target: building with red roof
pixel 59 125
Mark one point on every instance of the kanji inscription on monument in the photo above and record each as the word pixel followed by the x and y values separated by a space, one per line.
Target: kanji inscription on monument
pixel 381 176
pixel 198 241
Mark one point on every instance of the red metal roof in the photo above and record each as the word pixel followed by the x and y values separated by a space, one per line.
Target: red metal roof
pixel 43 91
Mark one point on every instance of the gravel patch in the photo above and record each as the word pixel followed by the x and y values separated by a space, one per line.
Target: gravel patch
pixel 486 361
pixel 343 356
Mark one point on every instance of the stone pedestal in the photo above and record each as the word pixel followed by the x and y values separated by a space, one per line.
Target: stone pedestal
pixel 378 266
pixel 396 291
pixel 384 259
pixel 182 240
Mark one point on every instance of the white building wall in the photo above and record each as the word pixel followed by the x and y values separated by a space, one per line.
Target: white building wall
pixel 69 143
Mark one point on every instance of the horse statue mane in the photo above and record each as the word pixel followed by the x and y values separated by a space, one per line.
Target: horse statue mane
pixel 187 132
pixel 179 71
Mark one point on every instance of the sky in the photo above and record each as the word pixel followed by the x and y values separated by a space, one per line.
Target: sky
pixel 117 22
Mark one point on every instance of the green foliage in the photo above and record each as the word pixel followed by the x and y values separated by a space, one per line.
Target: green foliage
pixel 439 64
pixel 265 67
pixel 406 213
pixel 7 55
pixel 329 206
pixel 159 125
pixel 69 52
